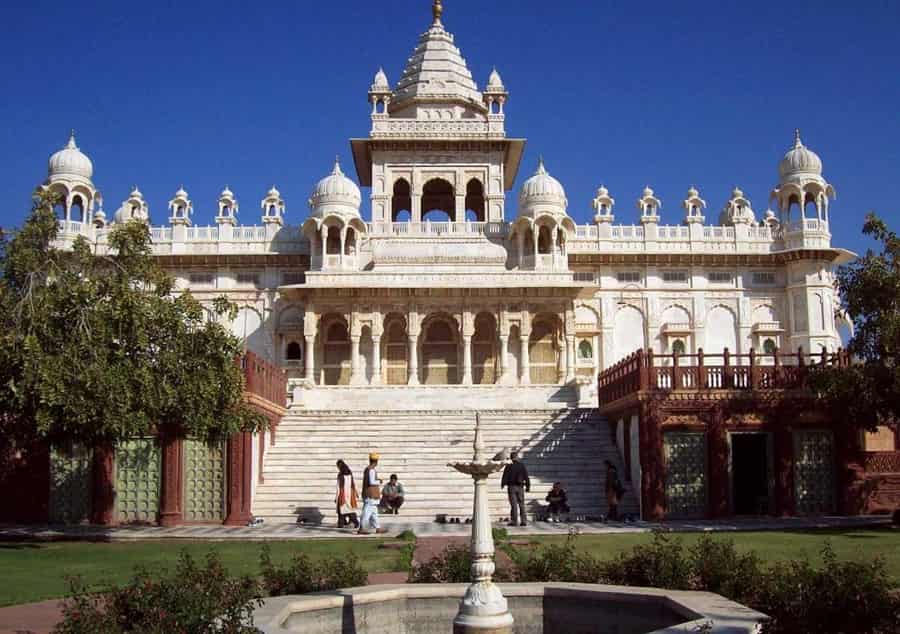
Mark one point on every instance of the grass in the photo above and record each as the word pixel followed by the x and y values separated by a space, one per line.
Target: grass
pixel 32 571
pixel 771 546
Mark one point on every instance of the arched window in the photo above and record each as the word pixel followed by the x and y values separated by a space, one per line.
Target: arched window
pixel 333 241
pixel 294 352
pixel 769 346
pixel 794 207
pixel 544 240
pixel 380 106
pixel 440 353
pixel 438 200
pixel 475 201
pixel 179 211
pixel 585 350
pixel 60 210
pixel 678 346
pixel 77 209
pixel 810 210
pixel 273 211
pixel 350 243
pixel 336 366
pixel 401 202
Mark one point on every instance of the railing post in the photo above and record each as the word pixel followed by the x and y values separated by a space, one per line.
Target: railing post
pixel 652 381
pixel 776 372
pixel 754 379
pixel 676 373
pixel 701 369
pixel 726 369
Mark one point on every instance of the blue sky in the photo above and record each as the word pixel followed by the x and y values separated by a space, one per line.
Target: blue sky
pixel 626 94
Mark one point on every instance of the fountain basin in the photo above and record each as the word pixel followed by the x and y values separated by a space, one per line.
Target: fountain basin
pixel 538 608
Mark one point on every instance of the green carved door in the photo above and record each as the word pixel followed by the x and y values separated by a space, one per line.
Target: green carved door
pixel 204 481
pixel 814 471
pixel 137 480
pixel 70 484
pixel 685 455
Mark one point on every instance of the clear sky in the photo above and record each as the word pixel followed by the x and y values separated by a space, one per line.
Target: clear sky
pixel 627 94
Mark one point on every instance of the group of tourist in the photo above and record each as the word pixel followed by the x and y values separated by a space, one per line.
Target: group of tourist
pixel 389 498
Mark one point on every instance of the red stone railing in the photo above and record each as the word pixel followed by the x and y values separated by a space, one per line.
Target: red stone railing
pixel 646 371
pixel 881 461
pixel 264 379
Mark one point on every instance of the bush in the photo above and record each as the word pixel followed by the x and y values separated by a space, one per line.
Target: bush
pixel 407 536
pixel 840 597
pixel 717 566
pixel 302 575
pixel 660 564
pixel 558 563
pixel 194 600
pixel 453 565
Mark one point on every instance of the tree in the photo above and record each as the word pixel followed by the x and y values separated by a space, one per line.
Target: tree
pixel 867 394
pixel 99 348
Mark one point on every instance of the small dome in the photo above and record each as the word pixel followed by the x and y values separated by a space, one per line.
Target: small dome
pixel 226 193
pixel 542 187
pixel 336 189
pixel 800 161
pixel 602 191
pixel 100 215
pixel 181 193
pixel 494 80
pixel 648 193
pixel 70 161
pixel 381 81
pixel 273 193
pixel 737 192
pixel 136 193
pixel 693 192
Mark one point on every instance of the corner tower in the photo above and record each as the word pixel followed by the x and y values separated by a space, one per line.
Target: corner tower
pixel 437 149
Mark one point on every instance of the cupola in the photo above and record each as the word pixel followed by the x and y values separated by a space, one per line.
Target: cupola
pixel 134 208
pixel 603 206
pixel 228 207
pixel 800 162
pixel 180 208
pixel 542 194
pixel 495 94
pixel 802 192
pixel 273 207
pixel 693 207
pixel 70 163
pixel 335 194
pixel 737 210
pixel 649 206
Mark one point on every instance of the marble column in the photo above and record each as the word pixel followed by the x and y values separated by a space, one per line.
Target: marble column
pixel 570 359
pixel 355 379
pixel 413 364
pixel 467 360
pixel 310 358
pixel 376 360
pixel 525 374
pixel 504 359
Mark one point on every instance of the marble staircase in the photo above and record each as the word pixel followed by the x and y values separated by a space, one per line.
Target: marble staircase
pixel 564 444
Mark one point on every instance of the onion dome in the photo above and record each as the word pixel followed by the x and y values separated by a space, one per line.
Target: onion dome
pixel 226 193
pixel 273 193
pixel 800 161
pixel 70 162
pixel 542 188
pixel 336 190
pixel 380 84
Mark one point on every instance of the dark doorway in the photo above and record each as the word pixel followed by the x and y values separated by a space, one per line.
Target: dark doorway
pixel 750 473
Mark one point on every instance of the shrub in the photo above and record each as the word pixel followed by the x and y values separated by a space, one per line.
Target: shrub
pixel 407 536
pixel 558 563
pixel 453 565
pixel 717 566
pixel 302 575
pixel 195 600
pixel 840 597
pixel 499 534
pixel 660 564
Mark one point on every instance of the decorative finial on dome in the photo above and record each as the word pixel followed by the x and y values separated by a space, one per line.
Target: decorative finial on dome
pixel 437 10
pixel 797 142
pixel 541 169
pixel 337 165
pixel 71 144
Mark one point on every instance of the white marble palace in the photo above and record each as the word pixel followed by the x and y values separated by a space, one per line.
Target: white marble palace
pixel 435 291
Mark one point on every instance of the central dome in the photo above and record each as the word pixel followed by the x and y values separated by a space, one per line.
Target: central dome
pixel 800 161
pixel 336 189
pixel 70 162
pixel 542 188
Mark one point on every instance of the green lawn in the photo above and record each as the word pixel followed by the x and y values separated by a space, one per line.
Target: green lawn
pixel 858 544
pixel 38 571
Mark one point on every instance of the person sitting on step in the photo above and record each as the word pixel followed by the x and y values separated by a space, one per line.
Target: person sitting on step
pixel 557 499
pixel 392 495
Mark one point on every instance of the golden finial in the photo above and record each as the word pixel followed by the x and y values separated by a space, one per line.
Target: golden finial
pixel 437 10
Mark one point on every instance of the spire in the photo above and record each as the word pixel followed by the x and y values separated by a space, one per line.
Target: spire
pixel 437 10
pixel 541 169
pixel 337 166
pixel 797 142
pixel 71 144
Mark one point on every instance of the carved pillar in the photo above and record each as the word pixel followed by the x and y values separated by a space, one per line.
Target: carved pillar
pixel 504 358
pixel 240 473
pixel 525 375
pixel 467 360
pixel 103 509
pixel 171 506
pixel 460 215
pixel 717 464
pixel 310 358
pixel 413 360
pixel 520 247
pixel 376 359
pixel 653 493
pixel 355 379
pixel 570 358
pixel 784 466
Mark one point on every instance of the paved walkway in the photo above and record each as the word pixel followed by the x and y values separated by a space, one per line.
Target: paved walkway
pixel 282 532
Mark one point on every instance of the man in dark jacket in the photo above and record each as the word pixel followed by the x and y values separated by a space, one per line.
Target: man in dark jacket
pixel 515 477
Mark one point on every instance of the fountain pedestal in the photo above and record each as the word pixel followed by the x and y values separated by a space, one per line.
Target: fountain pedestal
pixel 483 609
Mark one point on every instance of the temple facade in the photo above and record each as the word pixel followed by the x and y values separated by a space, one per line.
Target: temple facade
pixel 435 297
